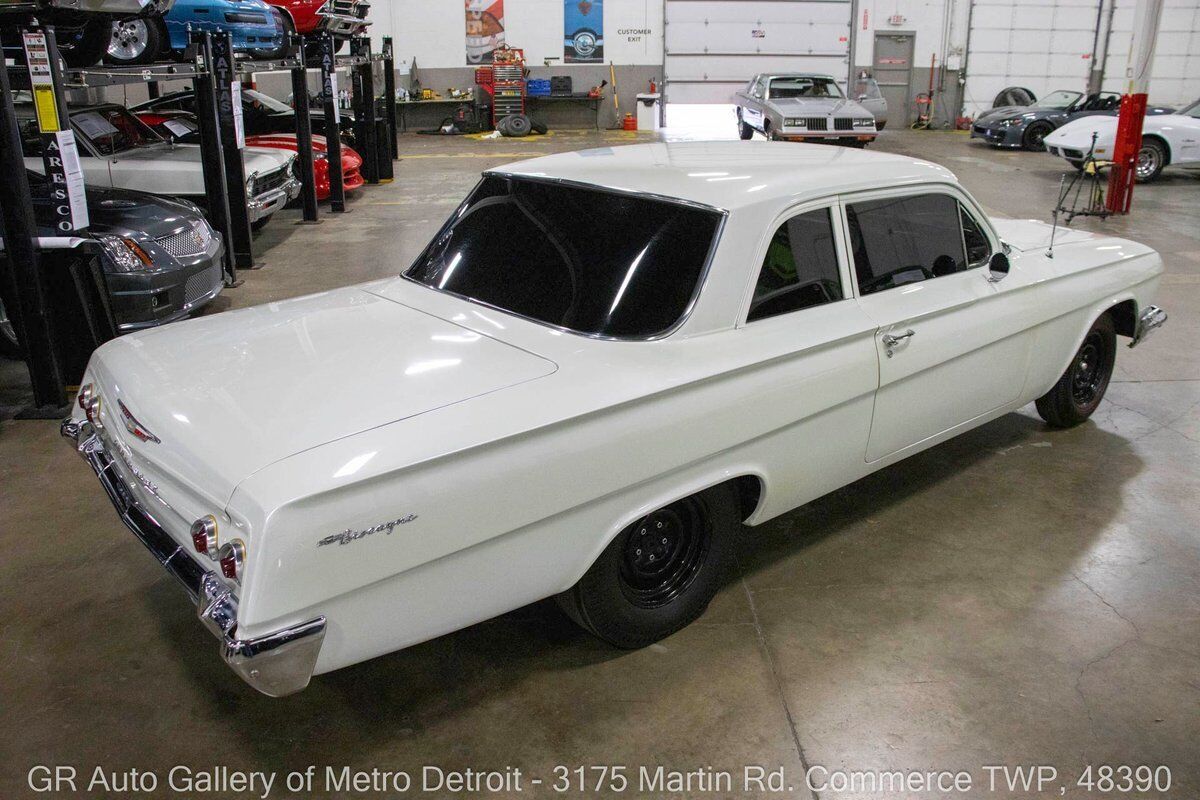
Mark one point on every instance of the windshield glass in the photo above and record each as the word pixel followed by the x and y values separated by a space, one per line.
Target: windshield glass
pixel 1191 111
pixel 803 87
pixel 1059 99
pixel 257 100
pixel 589 260
pixel 113 130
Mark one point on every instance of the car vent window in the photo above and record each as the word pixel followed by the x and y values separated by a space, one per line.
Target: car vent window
pixel 901 240
pixel 979 250
pixel 800 269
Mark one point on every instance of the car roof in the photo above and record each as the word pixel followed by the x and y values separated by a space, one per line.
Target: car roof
pixel 731 174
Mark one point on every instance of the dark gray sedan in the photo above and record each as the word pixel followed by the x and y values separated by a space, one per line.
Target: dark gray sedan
pixel 803 107
pixel 162 260
pixel 1027 126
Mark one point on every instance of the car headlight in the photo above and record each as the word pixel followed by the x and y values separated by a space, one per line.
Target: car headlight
pixel 126 254
pixel 865 122
pixel 250 186
pixel 795 122
pixel 1005 123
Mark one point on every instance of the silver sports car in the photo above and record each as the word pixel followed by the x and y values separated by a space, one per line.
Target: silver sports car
pixel 803 107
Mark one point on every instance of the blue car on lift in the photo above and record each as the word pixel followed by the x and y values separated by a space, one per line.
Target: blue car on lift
pixel 255 28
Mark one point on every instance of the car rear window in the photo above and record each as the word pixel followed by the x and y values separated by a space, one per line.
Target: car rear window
pixel 592 261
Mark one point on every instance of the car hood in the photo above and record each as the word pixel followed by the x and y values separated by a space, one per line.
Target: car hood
pixel 287 142
pixel 256 159
pixel 120 212
pixel 1032 234
pixel 1077 133
pixel 1003 112
pixel 231 393
pixel 819 106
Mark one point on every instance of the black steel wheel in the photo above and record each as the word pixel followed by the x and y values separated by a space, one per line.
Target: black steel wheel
pixel 1081 388
pixel 658 574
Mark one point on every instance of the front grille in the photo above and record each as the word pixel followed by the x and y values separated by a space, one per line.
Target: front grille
pixel 200 284
pixel 351 8
pixel 185 243
pixel 818 123
pixel 843 124
pixel 1073 153
pixel 270 180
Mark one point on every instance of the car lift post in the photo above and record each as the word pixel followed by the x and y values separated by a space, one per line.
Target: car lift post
pixel 232 142
pixel 333 134
pixel 304 146
pixel 24 289
pixel 211 156
pixel 1128 144
pixel 366 124
pixel 389 99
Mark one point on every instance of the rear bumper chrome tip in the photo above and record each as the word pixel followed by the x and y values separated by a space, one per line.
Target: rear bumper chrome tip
pixel 1149 321
pixel 277 663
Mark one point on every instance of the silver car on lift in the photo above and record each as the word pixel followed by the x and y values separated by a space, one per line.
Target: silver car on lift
pixel 803 107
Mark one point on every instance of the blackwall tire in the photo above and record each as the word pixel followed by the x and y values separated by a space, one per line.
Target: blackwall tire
pixel 1035 136
pixel 283 24
pixel 1081 388
pixel 744 131
pixel 84 45
pixel 629 599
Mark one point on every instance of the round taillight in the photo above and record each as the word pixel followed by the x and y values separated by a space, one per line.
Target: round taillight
pixel 233 559
pixel 85 396
pixel 204 536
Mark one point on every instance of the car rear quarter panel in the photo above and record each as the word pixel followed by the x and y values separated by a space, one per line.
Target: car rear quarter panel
pixel 515 494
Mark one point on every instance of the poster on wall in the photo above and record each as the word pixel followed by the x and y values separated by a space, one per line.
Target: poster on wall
pixel 485 29
pixel 583 31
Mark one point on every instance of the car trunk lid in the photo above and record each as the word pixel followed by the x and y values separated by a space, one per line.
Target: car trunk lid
pixel 229 394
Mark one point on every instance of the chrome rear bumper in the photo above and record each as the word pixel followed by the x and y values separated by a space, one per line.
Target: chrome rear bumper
pixel 1149 321
pixel 276 664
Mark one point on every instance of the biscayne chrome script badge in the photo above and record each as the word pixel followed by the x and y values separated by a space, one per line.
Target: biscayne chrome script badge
pixel 347 536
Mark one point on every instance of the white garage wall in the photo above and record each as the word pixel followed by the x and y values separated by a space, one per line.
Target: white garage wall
pixel 1175 72
pixel 433 32
pixel 1042 45
pixel 939 27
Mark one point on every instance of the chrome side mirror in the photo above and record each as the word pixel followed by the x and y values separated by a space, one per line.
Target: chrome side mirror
pixel 861 97
pixel 998 267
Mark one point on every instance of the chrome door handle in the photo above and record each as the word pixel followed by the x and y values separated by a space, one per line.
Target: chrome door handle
pixel 890 341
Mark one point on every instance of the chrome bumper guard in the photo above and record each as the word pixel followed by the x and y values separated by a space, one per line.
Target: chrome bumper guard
pixel 276 664
pixel 271 201
pixel 1149 321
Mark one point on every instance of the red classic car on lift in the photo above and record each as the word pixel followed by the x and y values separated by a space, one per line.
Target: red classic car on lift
pixel 182 126
pixel 342 18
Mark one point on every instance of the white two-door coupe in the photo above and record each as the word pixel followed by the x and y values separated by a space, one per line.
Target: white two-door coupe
pixel 1168 140
pixel 602 364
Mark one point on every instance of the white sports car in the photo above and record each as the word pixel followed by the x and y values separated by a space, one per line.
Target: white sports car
pixel 118 150
pixel 600 367
pixel 1168 140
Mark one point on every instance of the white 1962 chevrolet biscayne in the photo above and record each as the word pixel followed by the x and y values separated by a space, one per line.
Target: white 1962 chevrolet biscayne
pixel 601 365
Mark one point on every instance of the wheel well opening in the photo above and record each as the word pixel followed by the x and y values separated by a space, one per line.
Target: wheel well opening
pixel 1163 143
pixel 749 492
pixel 1124 317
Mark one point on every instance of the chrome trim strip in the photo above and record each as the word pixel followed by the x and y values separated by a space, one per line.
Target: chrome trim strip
pixel 278 663
pixel 1149 321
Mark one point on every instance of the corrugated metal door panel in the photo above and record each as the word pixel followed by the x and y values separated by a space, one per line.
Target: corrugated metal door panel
pixel 713 48
pixel 1175 73
pixel 1040 45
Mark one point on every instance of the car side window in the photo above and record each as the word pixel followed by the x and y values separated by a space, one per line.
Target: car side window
pixel 901 240
pixel 979 249
pixel 800 269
